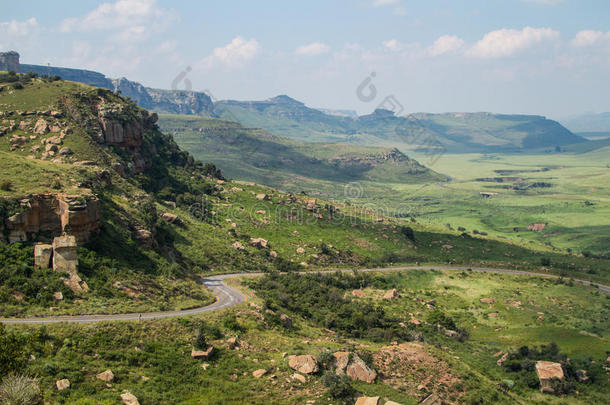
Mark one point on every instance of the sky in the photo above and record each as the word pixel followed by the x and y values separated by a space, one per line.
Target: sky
pixel 547 57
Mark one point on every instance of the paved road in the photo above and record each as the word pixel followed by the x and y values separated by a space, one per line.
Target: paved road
pixel 228 296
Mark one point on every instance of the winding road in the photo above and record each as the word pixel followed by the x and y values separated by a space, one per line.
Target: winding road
pixel 227 296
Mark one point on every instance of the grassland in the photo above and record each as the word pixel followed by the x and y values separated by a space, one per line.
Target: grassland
pixel 152 359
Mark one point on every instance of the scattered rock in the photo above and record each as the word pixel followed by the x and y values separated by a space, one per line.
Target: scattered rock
pixel 432 399
pixel 263 197
pixel 65 151
pixel 202 354
pixel 582 376
pixel 493 315
pixel 300 250
pixel 129 399
pixel 259 243
pixel 487 300
pixel 144 378
pixel 391 403
pixel 259 373
pixel 390 294
pixel 41 127
pixel 358 293
pixel 171 218
pixel 537 227
pixel 62 384
pixel 286 321
pixel 547 371
pixel 306 364
pixel 502 359
pixel 273 253
pixel 232 342
pixel 58 295
pixel 356 369
pixel 367 401
pixel 107 376
pixel 205 366
pixel 299 377
pixel 238 246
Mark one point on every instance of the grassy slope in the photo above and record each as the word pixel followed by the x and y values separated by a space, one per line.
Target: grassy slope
pixel 160 350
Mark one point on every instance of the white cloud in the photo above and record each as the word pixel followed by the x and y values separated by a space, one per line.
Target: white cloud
pixel 133 19
pixel 313 49
pixel 392 45
pixel 15 35
pixel 18 28
pixel 446 44
pixel 590 37
pixel 233 55
pixel 506 42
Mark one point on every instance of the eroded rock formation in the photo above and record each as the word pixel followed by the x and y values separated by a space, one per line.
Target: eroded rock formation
pixel 55 214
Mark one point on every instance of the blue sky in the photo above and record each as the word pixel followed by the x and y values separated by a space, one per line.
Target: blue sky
pixel 549 57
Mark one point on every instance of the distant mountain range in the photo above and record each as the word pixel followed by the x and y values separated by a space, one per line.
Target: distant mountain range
pixel 287 117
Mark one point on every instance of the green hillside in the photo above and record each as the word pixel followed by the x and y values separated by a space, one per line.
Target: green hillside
pixel 255 155
pixel 456 132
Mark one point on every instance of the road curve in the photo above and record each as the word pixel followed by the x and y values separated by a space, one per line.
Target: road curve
pixel 227 296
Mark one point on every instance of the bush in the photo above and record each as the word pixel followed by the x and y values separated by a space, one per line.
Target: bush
pixel 6 185
pixel 339 387
pixel 230 322
pixel 201 341
pixel 12 352
pixel 17 86
pixel 19 390
pixel 407 231
pixel 545 261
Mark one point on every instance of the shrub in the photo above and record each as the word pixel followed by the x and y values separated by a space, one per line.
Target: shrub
pixel 17 86
pixel 339 387
pixel 545 261
pixel 12 352
pixel 201 341
pixel 19 390
pixel 6 185
pixel 230 322
pixel 407 231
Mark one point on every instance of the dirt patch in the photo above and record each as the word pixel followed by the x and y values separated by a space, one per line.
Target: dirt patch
pixel 410 368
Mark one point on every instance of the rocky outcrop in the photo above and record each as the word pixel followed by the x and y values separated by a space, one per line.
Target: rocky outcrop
pixel 55 214
pixel 367 401
pixel 305 364
pixel 203 354
pixel 548 371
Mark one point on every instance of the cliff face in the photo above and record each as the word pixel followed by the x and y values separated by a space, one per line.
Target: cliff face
pixel 54 214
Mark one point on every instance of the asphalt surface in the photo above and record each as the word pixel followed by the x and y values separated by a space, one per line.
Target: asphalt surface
pixel 227 296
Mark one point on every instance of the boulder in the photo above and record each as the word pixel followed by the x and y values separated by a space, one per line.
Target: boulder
pixel 286 321
pixel 232 342
pixel 65 151
pixel 391 403
pixel 203 354
pixel 431 399
pixel 299 377
pixel 171 218
pixel 259 243
pixel 390 294
pixel 259 373
pixel 358 370
pixel 42 255
pixel 487 300
pixel 547 371
pixel 41 127
pixel 367 401
pixel 263 197
pixel 76 284
pixel 129 399
pixel 107 376
pixel 64 254
pixel 58 295
pixel 62 384
pixel 238 245
pixel 305 364
pixel 354 367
